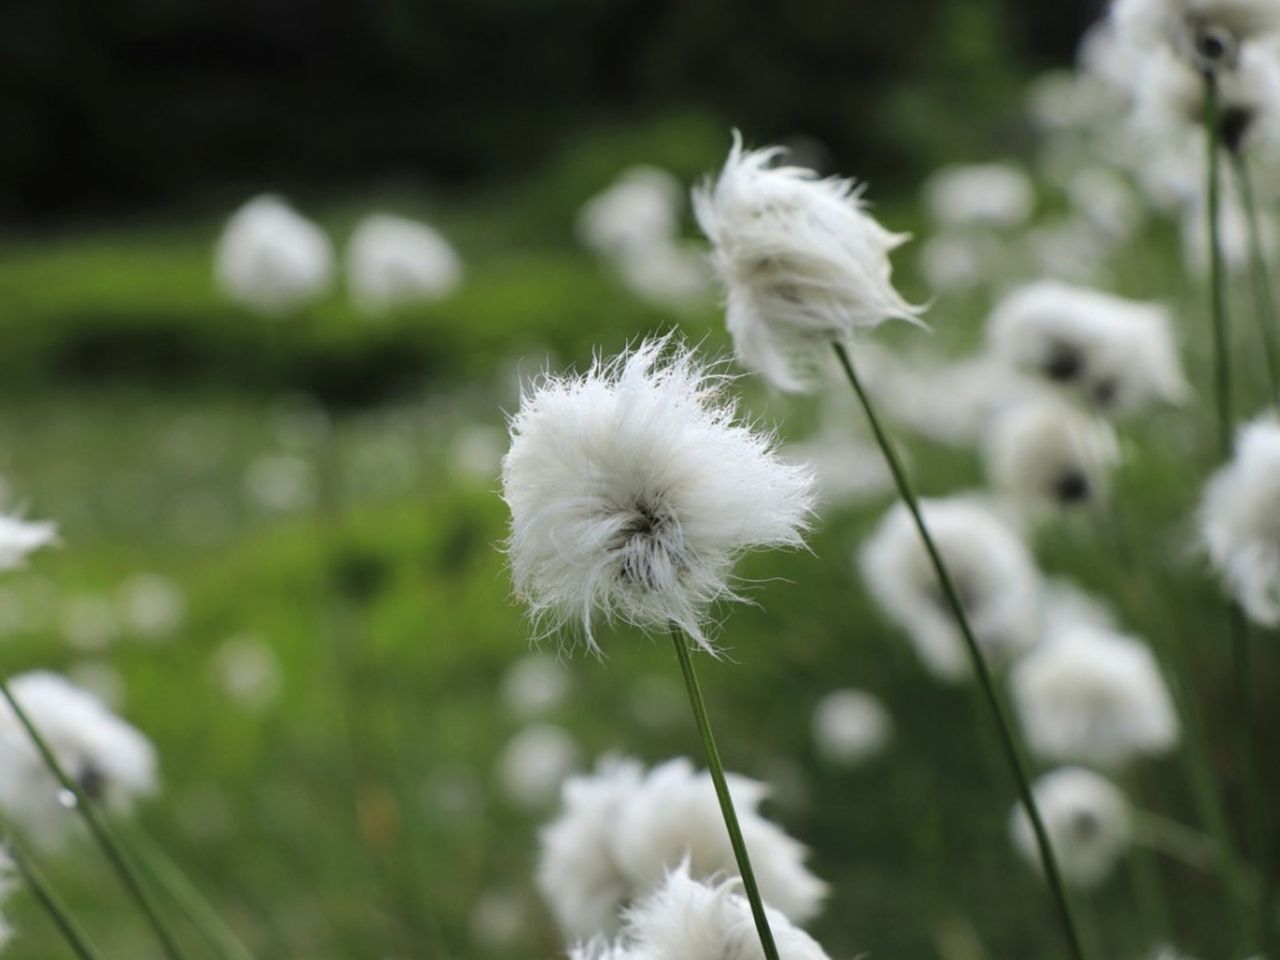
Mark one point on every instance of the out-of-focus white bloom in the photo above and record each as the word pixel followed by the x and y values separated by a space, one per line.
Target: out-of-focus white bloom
pixel 1093 696
pixel 20 538
pixel 687 919
pixel 1047 453
pixel 665 273
pixel 1240 521
pixel 109 759
pixel 640 208
pixel 476 452
pixel 849 468
pixel 996 195
pixel 535 685
pixel 850 727
pixel 1067 607
pixel 498 919
pixel 89 621
pixel 1119 354
pixel 248 671
pixel 1087 819
pixel 622 830
pixel 1206 32
pixel 152 605
pixel 534 764
pixel 272 260
pixel 633 489
pixel 990 566
pixel 1071 101
pixel 280 482
pixel 956 262
pixel 801 262
pixel 1106 201
pixel 1069 249
pixel 393 261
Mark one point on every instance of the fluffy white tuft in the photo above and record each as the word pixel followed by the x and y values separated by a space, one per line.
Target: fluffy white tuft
pixel 20 538
pixel 1093 696
pixel 1118 354
pixel 801 262
pixel 1240 521
pixel 272 260
pixel 393 261
pixel 998 195
pixel 992 569
pixel 639 209
pixel 1205 32
pixel 1087 819
pixel 850 727
pixel 110 760
pixel 622 830
pixel 634 488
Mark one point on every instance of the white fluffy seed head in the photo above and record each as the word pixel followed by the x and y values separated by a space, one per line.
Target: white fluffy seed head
pixel 801 262
pixel 634 488
pixel 393 261
pixel 622 830
pixel 689 919
pixel 1240 521
pixel 110 760
pixel 1046 453
pixel 1207 33
pixel 991 568
pixel 639 209
pixel 1090 695
pixel 1087 819
pixel 20 538
pixel 1117 354
pixel 534 764
pixel 997 195
pixel 850 727
pixel 272 260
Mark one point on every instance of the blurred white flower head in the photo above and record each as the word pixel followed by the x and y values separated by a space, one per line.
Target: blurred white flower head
pixel 535 685
pixel 622 830
pixel 666 273
pixel 1091 695
pixel 1118 354
pixel 89 621
pixel 393 261
pixel 1208 33
pixel 1047 453
pixel 991 568
pixel 1106 201
pixel 633 488
pixel 111 761
pixel 639 209
pixel 248 671
pixel 688 919
pixel 281 482
pixel 958 262
pixel 801 261
pixel 534 763
pixel 20 538
pixel 1240 521
pixel 992 195
pixel 498 919
pixel 1087 819
pixel 272 260
pixel 152 605
pixel 1233 234
pixel 476 452
pixel 850 727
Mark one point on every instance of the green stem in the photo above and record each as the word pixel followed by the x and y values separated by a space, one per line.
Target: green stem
pixel 188 898
pixel 1217 290
pixel 53 905
pixel 985 681
pixel 722 794
pixel 1263 295
pixel 102 834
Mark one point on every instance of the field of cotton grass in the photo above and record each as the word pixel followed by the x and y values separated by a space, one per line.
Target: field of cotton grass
pixel 700 557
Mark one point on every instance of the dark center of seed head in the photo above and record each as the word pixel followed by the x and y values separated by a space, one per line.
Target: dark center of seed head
pixel 1072 487
pixel 1064 363
pixel 1232 127
pixel 1085 825
pixel 92 782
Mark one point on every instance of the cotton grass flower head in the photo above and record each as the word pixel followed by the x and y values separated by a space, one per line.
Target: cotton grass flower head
pixel 1090 695
pixel 850 727
pixel 111 761
pixel 393 261
pixel 985 195
pixel 1240 521
pixel 1117 354
pixel 991 568
pixel 639 209
pixel 688 919
pixel 534 686
pixel 1047 453
pixel 1087 819
pixel 272 260
pixel 622 830
pixel 20 538
pixel 633 488
pixel 801 262
pixel 535 763
pixel 1208 33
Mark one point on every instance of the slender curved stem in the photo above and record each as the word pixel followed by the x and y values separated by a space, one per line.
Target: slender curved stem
pixel 1263 294
pixel 985 681
pixel 1217 290
pixel 76 939
pixel 110 845
pixel 722 794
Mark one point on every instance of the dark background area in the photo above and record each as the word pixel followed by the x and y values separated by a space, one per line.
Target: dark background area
pixel 137 104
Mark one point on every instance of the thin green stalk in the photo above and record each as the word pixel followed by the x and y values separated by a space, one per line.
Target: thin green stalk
pixel 170 877
pixel 1263 294
pixel 80 944
pixel 985 681
pixel 1217 289
pixel 722 794
pixel 110 845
